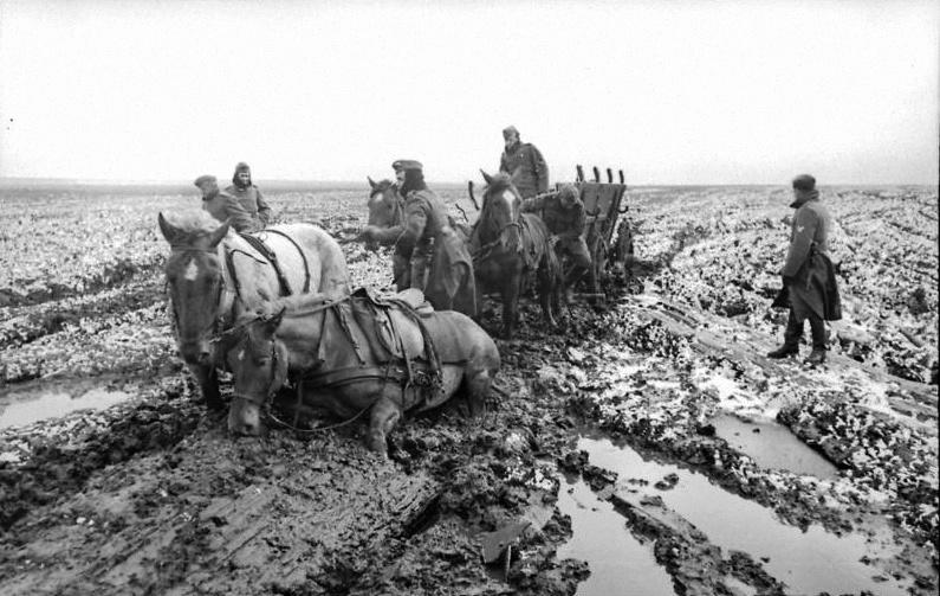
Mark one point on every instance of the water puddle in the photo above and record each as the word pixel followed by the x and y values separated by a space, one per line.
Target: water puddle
pixel 773 446
pixel 619 563
pixel 29 407
pixel 809 563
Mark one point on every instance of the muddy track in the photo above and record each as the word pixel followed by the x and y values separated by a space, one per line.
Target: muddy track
pixel 160 499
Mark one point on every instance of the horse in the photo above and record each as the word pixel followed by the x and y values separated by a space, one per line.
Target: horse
pixel 214 275
pixel 507 245
pixel 451 281
pixel 357 354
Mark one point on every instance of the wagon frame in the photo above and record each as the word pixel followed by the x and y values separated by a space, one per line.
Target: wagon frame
pixel 607 242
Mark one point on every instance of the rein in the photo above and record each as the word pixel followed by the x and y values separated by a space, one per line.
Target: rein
pixel 485 251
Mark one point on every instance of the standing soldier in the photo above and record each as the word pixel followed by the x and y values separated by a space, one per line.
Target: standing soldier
pixel 809 279
pixel 564 215
pixel 223 206
pixel 428 254
pixel 524 163
pixel 248 194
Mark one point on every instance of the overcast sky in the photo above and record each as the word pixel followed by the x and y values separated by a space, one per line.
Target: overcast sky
pixel 680 92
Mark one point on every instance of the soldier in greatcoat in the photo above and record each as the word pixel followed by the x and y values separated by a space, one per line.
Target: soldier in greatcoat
pixel 223 206
pixel 564 215
pixel 810 288
pixel 427 250
pixel 248 194
pixel 524 163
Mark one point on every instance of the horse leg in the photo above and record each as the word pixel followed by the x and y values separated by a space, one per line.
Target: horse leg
pixel 511 299
pixel 208 379
pixel 383 417
pixel 548 295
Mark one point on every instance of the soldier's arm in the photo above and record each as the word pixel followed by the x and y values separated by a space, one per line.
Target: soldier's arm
pixel 264 210
pixel 503 166
pixel 415 221
pixel 805 226
pixel 533 204
pixel 386 236
pixel 240 219
pixel 540 169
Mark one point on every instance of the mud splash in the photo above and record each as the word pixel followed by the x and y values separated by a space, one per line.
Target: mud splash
pixel 808 562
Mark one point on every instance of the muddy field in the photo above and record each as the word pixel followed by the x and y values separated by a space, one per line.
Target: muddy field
pixel 646 448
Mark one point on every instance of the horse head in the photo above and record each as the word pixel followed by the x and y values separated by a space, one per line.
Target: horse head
pixel 501 207
pixel 195 282
pixel 259 362
pixel 386 206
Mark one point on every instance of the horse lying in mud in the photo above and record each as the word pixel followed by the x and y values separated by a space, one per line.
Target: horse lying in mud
pixel 215 275
pixel 507 245
pixel 451 279
pixel 355 355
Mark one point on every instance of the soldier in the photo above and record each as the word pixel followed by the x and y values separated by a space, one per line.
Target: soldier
pixel 809 279
pixel 564 215
pixel 248 194
pixel 223 206
pixel 427 250
pixel 524 163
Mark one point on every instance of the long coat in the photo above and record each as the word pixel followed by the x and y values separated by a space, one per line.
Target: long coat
pixel 812 285
pixel 525 163
pixel 223 206
pixel 438 251
pixel 251 199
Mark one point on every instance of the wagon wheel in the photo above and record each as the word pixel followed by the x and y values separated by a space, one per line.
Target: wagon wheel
pixel 624 248
pixel 599 262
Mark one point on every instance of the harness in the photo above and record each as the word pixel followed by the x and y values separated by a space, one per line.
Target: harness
pixel 259 245
pixel 403 371
pixel 222 318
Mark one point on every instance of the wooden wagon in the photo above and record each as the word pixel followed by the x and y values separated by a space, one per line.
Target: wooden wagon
pixel 609 243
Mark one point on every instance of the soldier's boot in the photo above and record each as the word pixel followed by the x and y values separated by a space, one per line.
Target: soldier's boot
pixel 783 352
pixel 817 357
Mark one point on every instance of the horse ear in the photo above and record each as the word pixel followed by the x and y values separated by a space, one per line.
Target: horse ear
pixel 487 177
pixel 516 174
pixel 218 234
pixel 372 183
pixel 169 231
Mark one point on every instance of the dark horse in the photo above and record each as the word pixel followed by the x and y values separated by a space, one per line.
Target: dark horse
pixel 507 245
pixel 451 281
pixel 355 355
pixel 214 275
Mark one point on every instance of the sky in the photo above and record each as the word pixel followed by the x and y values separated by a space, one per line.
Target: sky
pixel 672 92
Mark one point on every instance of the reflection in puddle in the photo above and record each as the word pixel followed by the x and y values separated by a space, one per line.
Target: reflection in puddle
pixel 619 564
pixel 773 446
pixel 56 404
pixel 809 563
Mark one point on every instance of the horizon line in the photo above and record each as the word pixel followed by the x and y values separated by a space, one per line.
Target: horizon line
pixel 64 181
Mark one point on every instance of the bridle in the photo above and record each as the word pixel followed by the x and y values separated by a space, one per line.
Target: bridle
pixel 482 253
pixel 217 323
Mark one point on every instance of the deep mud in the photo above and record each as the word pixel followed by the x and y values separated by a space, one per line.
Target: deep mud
pixel 600 442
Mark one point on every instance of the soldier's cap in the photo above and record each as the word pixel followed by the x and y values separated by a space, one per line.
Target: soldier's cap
pixel 406 165
pixel 510 131
pixel 804 182
pixel 203 179
pixel 568 192
pixel 242 167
